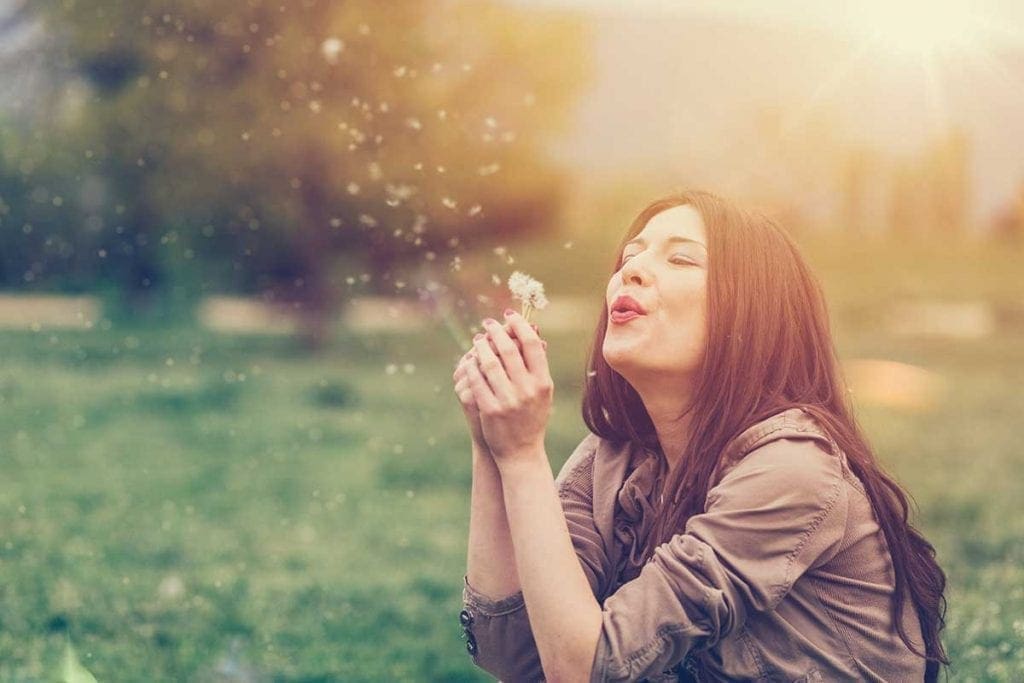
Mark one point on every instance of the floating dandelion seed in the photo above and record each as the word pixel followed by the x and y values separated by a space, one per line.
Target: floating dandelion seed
pixel 529 291
pixel 331 48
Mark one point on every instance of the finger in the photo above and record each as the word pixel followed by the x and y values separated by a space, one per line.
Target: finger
pixel 465 393
pixel 460 368
pixel 485 398
pixel 493 371
pixel 512 335
pixel 510 328
pixel 533 348
pixel 508 353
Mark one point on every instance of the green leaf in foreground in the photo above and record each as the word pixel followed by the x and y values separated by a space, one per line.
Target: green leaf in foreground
pixel 72 671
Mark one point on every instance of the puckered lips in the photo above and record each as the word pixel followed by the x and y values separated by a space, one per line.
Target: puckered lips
pixel 626 308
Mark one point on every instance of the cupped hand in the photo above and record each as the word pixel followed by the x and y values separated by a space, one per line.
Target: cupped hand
pixel 511 384
pixel 470 409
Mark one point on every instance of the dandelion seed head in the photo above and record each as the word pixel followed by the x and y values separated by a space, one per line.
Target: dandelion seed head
pixel 528 290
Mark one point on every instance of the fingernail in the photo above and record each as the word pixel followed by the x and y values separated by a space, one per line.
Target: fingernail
pixel 491 321
pixel 509 312
pixel 478 336
pixel 543 344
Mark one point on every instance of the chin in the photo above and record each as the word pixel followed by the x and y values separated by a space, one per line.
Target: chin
pixel 619 360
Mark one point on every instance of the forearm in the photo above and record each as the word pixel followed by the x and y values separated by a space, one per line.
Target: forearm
pixel 564 614
pixel 490 561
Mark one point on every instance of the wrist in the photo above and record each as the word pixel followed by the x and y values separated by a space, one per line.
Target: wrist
pixel 483 461
pixel 526 462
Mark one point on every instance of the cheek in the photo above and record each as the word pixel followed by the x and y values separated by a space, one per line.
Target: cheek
pixel 688 320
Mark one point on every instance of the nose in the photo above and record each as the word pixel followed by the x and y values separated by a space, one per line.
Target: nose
pixel 632 271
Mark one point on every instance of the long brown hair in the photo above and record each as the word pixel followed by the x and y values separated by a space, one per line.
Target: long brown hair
pixel 769 348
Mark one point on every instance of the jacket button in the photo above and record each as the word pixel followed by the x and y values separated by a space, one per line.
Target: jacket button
pixel 465 618
pixel 471 644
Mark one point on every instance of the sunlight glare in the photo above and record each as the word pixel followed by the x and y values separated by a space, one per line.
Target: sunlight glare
pixel 919 28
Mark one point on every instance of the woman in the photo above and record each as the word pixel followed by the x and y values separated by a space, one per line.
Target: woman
pixel 725 519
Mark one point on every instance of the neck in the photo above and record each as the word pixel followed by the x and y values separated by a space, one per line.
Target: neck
pixel 664 409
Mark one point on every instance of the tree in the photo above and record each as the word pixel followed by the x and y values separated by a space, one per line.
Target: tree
pixel 255 143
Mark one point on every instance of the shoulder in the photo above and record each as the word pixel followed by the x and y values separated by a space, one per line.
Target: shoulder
pixel 787 456
pixel 800 434
pixel 595 459
pixel 580 463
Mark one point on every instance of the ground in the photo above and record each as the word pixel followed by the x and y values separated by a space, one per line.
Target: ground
pixel 184 504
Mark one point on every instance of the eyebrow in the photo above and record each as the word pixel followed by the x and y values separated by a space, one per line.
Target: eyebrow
pixel 670 240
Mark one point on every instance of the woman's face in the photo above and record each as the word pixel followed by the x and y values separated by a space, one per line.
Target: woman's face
pixel 665 271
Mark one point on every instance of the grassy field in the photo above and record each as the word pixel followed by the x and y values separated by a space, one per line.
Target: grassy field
pixel 187 507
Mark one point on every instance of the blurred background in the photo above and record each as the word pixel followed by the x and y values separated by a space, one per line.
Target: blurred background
pixel 243 244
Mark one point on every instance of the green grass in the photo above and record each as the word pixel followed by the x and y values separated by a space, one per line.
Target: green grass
pixel 315 509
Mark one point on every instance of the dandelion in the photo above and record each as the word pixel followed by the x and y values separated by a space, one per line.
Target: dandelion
pixel 529 291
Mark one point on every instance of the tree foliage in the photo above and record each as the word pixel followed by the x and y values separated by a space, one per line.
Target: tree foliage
pixel 250 145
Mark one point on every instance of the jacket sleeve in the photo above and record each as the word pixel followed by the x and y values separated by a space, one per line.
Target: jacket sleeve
pixel 498 633
pixel 780 511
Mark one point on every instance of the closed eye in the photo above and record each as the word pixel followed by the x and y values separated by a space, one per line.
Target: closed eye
pixel 684 261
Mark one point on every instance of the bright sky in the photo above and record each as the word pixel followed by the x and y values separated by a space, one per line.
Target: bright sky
pixel 914 67
pixel 914 23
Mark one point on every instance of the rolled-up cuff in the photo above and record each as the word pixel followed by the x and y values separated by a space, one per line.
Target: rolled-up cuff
pixel 498 635
pixel 488 607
